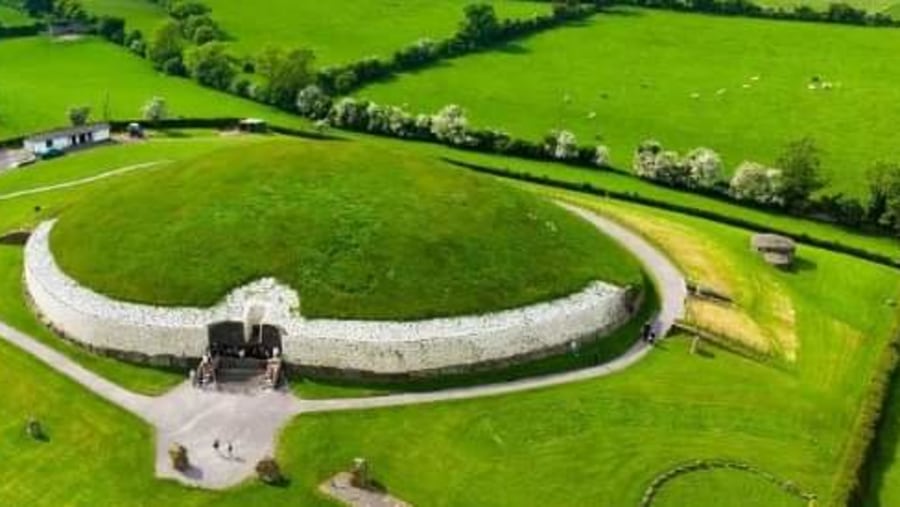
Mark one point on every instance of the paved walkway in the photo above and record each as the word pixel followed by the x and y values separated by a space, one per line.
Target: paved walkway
pixel 251 423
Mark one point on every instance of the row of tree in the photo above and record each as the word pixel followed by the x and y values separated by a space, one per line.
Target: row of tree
pixel 835 12
pixel 793 185
pixel 190 44
pixel 480 28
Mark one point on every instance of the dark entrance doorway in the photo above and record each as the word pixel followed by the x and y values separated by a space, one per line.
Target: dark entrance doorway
pixel 228 339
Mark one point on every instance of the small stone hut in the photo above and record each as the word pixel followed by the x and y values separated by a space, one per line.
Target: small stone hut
pixel 777 250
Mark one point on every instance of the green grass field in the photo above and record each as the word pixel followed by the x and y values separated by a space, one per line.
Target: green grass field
pixel 547 447
pixel 143 15
pixel 338 31
pixel 354 228
pixel 13 17
pixel 623 77
pixel 342 31
pixel 43 78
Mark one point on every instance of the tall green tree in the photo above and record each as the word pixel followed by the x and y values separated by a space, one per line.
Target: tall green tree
pixel 211 65
pixel 38 8
pixel 883 207
pixel 79 115
pixel 801 171
pixel 480 25
pixel 166 47
pixel 285 74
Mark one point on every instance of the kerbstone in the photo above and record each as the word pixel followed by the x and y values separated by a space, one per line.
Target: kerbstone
pixel 381 347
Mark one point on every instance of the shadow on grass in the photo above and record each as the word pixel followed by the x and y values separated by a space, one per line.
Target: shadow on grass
pixel 513 49
pixel 802 264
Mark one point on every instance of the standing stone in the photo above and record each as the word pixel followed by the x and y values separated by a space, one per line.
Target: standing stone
pixel 34 429
pixel 179 456
pixel 360 477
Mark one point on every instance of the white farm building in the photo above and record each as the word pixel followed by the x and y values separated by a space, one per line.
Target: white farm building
pixel 64 139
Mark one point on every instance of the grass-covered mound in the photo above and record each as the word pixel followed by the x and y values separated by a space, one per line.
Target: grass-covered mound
pixel 359 231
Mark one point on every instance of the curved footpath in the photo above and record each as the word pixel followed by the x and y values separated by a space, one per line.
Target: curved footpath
pixel 195 418
pixel 83 181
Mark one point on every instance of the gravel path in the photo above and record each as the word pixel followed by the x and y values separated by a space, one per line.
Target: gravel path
pixel 251 423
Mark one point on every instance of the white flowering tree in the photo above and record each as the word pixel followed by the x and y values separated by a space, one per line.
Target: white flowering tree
pixel 378 121
pixel 312 102
pixel 601 156
pixel 155 109
pixel 450 125
pixel 562 145
pixel 758 183
pixel 645 158
pixel 400 122
pixel 348 112
pixel 704 168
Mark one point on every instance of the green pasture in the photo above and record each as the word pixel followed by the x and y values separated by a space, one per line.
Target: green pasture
pixel 338 31
pixel 43 78
pixel 547 447
pixel 13 17
pixel 341 31
pixel 629 75
pixel 143 15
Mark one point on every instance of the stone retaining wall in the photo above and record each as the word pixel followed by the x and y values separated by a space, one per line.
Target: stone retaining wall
pixel 363 347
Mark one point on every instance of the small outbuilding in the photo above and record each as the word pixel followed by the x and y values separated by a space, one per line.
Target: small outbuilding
pixel 777 250
pixel 253 125
pixel 67 138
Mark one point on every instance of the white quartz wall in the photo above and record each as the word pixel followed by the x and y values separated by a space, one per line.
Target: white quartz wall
pixel 382 347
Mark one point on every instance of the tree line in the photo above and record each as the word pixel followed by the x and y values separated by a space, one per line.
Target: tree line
pixel 794 185
pixel 835 12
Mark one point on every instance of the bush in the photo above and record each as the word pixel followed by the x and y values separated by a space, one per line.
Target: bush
pixel 313 103
pixel 155 109
pixel 210 65
pixel 268 471
pixel 183 9
pixel 757 183
pixel 561 145
pixel 79 115
pixel 112 29
pixel 178 456
pixel 704 168
pixel 450 125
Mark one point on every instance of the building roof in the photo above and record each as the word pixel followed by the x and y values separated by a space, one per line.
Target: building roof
pixel 68 131
pixel 774 243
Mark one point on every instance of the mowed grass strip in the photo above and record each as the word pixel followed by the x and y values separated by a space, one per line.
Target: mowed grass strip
pixel 359 231
pixel 736 85
pixel 43 78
